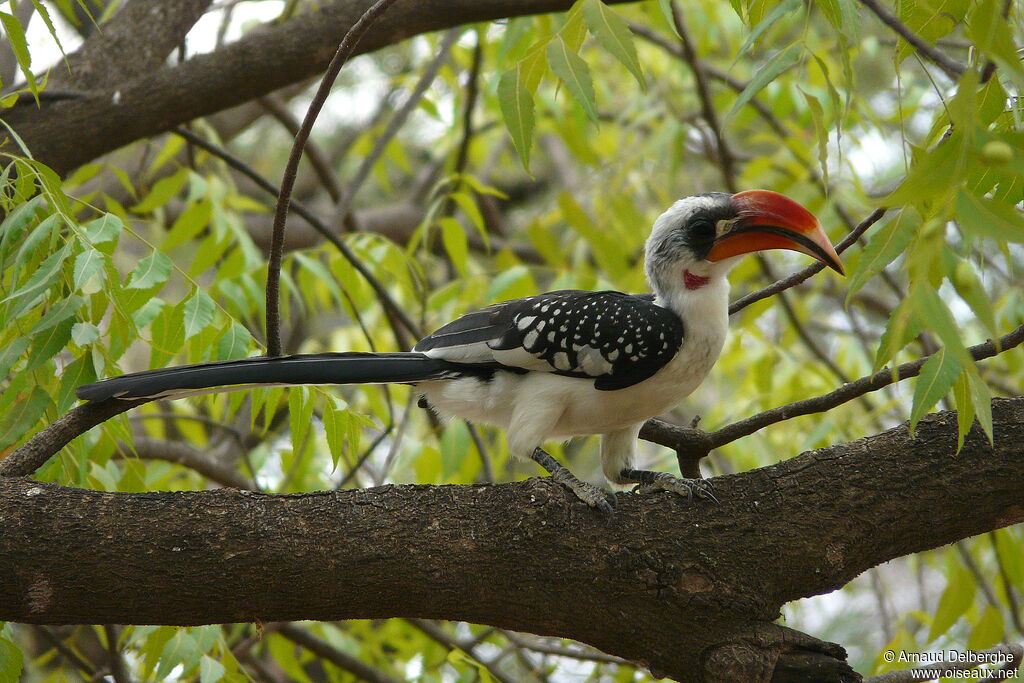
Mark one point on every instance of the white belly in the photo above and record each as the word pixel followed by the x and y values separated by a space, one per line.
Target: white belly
pixel 538 406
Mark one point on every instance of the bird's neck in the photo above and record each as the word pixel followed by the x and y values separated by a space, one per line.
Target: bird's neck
pixel 698 300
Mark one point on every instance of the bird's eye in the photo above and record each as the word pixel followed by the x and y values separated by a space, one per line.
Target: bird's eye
pixel 702 229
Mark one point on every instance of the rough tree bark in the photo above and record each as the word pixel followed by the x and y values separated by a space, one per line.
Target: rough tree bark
pixel 68 133
pixel 690 590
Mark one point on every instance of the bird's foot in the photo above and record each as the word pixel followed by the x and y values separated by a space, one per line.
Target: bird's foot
pixel 651 482
pixel 592 495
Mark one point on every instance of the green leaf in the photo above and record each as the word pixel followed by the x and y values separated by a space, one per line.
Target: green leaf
pixel 958 596
pixel 234 342
pixel 936 379
pixel 48 344
pixel 992 35
pixel 22 415
pixel 574 73
pixel 517 109
pixel 981 398
pixel 334 421
pixel 931 174
pixel 210 670
pixel 106 228
pixel 188 224
pixel 888 242
pixel 11 661
pixel 34 240
pixel 167 335
pixel 43 277
pixel 904 325
pixel 964 408
pixel 820 131
pixel 783 8
pixel 612 31
pixel 300 414
pixel 989 218
pixel 63 310
pixel 15 223
pixel 162 192
pixel 933 311
pixel 11 353
pixel 150 272
pixel 89 273
pixel 84 333
pixel 765 75
pixel 198 313
pixel 19 45
pixel 454 239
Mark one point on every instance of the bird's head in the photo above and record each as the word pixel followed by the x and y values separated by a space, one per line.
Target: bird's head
pixel 698 239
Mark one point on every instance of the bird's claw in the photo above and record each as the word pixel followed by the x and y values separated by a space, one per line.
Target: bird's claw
pixel 594 496
pixel 663 481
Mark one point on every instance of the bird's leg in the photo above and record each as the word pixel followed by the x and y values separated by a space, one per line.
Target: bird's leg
pixel 594 496
pixel 649 482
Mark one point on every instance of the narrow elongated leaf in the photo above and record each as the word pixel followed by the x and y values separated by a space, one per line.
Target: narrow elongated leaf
pixel 15 224
pixel 89 271
pixel 151 271
pixel 955 600
pixel 10 354
pixel 454 239
pixel 574 73
pixel 11 661
pixel 964 408
pixel 981 397
pixel 198 313
pixel 888 242
pixel 62 311
pixel 35 238
pixel 84 333
pixel 783 8
pixel 106 228
pixel 992 35
pixel 768 73
pixel 934 313
pixel 989 218
pixel 612 31
pixel 43 277
pixel 19 45
pixel 22 414
pixel 48 344
pixel 162 191
pixel 300 414
pixel 936 379
pixel 234 342
pixel 517 108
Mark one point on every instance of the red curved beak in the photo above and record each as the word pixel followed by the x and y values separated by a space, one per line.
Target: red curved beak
pixel 769 220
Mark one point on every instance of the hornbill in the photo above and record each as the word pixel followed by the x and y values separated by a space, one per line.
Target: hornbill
pixel 567 362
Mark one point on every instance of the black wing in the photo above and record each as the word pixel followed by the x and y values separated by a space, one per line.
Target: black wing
pixel 614 338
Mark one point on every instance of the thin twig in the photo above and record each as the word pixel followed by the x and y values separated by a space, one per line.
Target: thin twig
pixel 310 217
pixel 344 51
pixel 344 661
pixel 117 667
pixel 949 66
pixel 850 391
pixel 725 156
pixel 802 275
pixel 438 634
pixel 395 124
pixel 317 159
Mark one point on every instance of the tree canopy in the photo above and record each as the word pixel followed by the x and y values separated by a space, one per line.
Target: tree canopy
pixel 473 151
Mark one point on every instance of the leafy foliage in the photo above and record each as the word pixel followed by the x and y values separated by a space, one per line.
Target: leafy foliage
pixel 585 125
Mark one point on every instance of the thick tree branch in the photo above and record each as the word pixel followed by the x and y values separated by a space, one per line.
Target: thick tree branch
pixel 65 135
pixel 115 54
pixel 640 586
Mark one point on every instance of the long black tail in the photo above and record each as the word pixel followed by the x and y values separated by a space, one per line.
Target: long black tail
pixel 316 368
